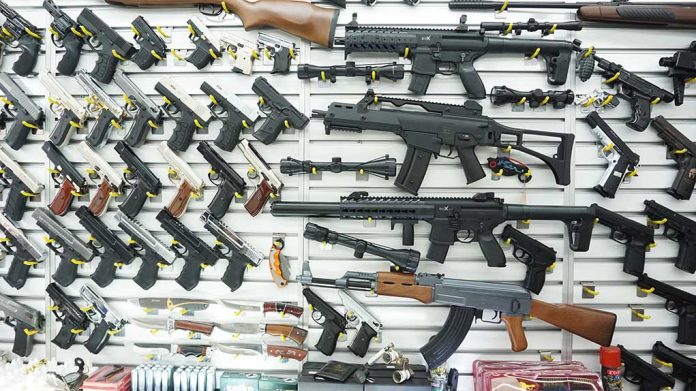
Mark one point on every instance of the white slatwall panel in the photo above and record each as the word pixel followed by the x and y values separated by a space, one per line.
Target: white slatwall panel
pixel 407 324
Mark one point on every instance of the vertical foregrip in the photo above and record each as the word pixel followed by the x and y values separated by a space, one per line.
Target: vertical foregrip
pixel 16 201
pixel 234 274
pixel 66 272
pixel 147 274
pixel 18 272
pixel 268 132
pixel 105 66
pixel 134 202
pixel 105 273
pixel 686 258
pixel 228 138
pixel 22 341
pixel 98 339
pixel 183 132
pixel 445 343
pixel 191 273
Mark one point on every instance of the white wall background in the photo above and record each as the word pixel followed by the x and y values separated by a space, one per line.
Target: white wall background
pixel 407 324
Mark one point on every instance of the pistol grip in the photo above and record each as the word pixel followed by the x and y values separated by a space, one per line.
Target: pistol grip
pixel 228 138
pixel 99 134
pixel 143 58
pixel 535 277
pixel 471 80
pixel 222 200
pixel 258 199
pixel 98 339
pixel 281 61
pixel 66 272
pixel 413 170
pixel 105 66
pixel 683 184
pixel 329 338
pixel 16 201
pixel 268 131
pixel 22 342
pixel 190 274
pixel 491 249
pixel 18 132
pixel 634 261
pixel 73 47
pixel 134 202
pixel 234 274
pixel 612 178
pixel 686 334
pixel 30 48
pixel 98 205
pixel 183 132
pixel 466 145
pixel 686 258
pixel 18 272
pixel 147 274
pixel 64 128
pixel 177 206
pixel 140 128
pixel 679 90
pixel 516 332
pixel 640 119
pixel 200 57
pixel 105 273
pixel 65 337
pixel 64 198
pixel 557 68
pixel 361 342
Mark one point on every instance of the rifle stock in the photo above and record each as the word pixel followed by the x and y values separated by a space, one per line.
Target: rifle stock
pixel 664 16
pixel 593 325
pixel 300 18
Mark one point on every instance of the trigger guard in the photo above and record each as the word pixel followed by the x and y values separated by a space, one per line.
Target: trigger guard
pixel 521 255
pixel 318 317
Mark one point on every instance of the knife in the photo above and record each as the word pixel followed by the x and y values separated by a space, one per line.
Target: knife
pixel 255 349
pixel 296 334
pixel 192 305
pixel 268 306
pixel 170 325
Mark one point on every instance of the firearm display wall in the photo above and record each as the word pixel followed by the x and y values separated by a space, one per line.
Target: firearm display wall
pixel 593 278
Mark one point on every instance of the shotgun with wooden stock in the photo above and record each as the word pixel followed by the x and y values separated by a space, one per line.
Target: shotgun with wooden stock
pixel 300 18
pixel 468 300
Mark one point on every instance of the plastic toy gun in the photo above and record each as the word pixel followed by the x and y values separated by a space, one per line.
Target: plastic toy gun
pixel 111 182
pixel 146 185
pixel 197 254
pixel 193 114
pixel 107 112
pixel 239 253
pixel 26 322
pixel 683 151
pixel 332 322
pixel 683 367
pixel 70 113
pixel 404 260
pixel 623 162
pixel 207 44
pixel 269 184
pixel 682 68
pixel 221 174
pixel 73 183
pixel 19 32
pixel 371 73
pixel 678 302
pixel 536 98
pixel 640 93
pixel 243 51
pixel 384 166
pixel 638 371
pixel 190 185
pixel 537 256
pixel 68 247
pixel 65 33
pixel 111 48
pixel 146 113
pixel 25 254
pixel 18 106
pixel 678 228
pixel 280 50
pixel 153 253
pixel 239 115
pixel 106 321
pixel 152 49
pixel 109 248
pixel 280 113
pixel 368 325
pixel 73 320
pixel 22 186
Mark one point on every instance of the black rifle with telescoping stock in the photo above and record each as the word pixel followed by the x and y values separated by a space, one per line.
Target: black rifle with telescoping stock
pixel 404 260
pixel 21 109
pixel 468 300
pixel 20 33
pixel 239 115
pixel 637 238
pixel 453 51
pixel 440 125
pixel 384 166
pixel 451 219
pixel 68 247
pixel 281 114
pixel 535 255
pixel 681 150
pixel 111 47
pixel 65 33
pixel 678 228
pixel 25 253
pixel 678 302
pixel 73 320
pixel 638 92
pixel 26 322
pixel 221 174
pixel 146 184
